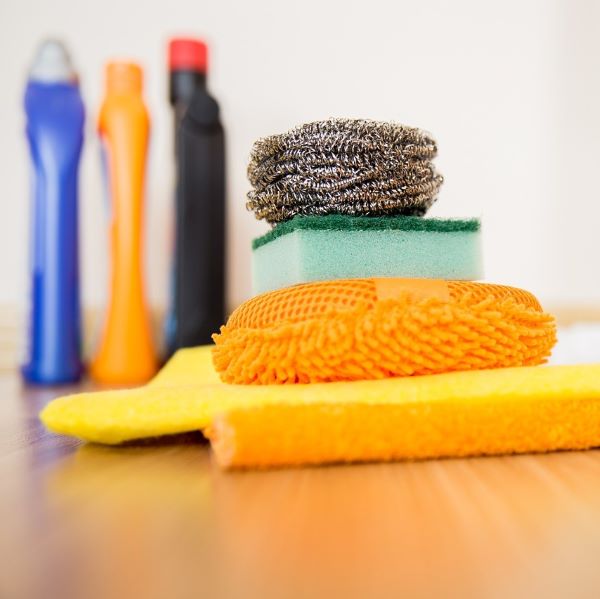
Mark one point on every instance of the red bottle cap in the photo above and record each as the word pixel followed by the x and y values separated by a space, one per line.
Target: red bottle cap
pixel 187 54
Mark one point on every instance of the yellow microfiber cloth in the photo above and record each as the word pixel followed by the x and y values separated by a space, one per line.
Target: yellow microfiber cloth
pixel 176 400
pixel 511 410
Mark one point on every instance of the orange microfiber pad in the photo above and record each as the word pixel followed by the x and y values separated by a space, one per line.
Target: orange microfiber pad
pixel 486 412
pixel 359 329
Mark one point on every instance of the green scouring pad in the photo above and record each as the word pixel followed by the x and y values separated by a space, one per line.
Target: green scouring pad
pixel 321 248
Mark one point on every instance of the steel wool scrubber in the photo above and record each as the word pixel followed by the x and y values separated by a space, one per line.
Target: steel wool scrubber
pixel 343 166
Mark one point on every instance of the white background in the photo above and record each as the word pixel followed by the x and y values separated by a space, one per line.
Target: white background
pixel 510 90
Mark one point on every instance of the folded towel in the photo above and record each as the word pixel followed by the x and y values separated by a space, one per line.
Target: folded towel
pixel 487 412
pixel 513 410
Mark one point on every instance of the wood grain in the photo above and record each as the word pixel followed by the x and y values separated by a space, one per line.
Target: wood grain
pixel 160 521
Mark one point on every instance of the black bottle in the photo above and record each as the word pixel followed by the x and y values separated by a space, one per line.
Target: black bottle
pixel 198 301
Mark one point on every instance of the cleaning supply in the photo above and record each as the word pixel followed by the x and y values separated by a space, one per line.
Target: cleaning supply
pixel 358 329
pixel 55 117
pixel 198 303
pixel 487 412
pixel 188 64
pixel 343 166
pixel 509 410
pixel 179 399
pixel 126 353
pixel 350 330
pixel 321 248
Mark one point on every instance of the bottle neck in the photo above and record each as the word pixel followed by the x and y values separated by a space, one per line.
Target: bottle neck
pixel 183 85
pixel 123 78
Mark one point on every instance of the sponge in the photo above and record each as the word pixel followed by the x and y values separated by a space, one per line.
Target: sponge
pixel 357 329
pixel 509 410
pixel 321 248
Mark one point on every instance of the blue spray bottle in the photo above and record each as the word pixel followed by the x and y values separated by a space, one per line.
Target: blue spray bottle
pixel 55 117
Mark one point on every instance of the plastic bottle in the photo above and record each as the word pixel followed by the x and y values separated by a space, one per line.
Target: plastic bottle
pixel 126 354
pixel 55 117
pixel 198 302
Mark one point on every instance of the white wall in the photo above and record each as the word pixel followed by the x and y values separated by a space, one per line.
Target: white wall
pixel 509 89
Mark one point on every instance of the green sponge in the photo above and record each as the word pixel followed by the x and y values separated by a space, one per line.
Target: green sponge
pixel 321 248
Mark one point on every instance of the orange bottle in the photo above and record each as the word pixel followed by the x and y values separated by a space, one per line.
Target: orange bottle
pixel 126 353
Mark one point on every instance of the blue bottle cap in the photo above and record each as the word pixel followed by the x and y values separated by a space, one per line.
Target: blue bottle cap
pixel 52 64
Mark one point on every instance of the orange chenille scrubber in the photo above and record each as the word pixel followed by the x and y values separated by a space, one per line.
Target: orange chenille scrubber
pixel 359 329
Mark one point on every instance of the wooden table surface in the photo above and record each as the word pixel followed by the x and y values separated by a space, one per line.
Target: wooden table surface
pixel 161 521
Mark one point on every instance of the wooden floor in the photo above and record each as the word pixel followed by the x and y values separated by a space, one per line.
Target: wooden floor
pixel 160 521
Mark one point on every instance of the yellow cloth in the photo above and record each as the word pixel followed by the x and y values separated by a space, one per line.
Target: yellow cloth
pixel 456 414
pixel 176 400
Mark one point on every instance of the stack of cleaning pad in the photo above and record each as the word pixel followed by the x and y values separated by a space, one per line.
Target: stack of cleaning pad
pixel 354 282
pixel 345 196
pixel 369 339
